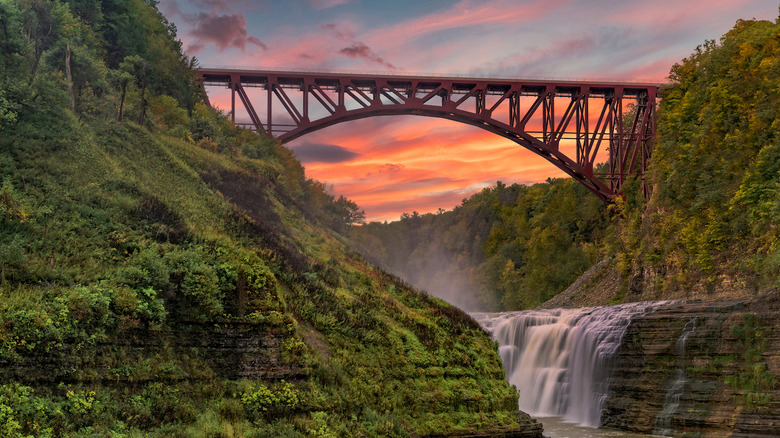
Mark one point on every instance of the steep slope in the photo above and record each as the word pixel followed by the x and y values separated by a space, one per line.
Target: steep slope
pixel 182 277
pixel 154 271
pixel 710 229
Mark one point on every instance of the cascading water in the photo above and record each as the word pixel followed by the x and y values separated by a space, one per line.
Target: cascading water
pixel 560 359
pixel 663 422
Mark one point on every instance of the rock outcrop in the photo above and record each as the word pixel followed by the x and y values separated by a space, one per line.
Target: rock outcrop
pixel 699 368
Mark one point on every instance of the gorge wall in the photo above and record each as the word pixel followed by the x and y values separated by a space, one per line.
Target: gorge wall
pixel 699 368
pixel 689 368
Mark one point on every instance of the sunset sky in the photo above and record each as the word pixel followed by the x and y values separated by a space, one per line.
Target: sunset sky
pixel 395 164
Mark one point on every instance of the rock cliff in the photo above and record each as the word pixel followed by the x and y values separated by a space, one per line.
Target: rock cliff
pixel 699 368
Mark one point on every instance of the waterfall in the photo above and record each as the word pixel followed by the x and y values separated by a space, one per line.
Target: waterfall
pixel 663 422
pixel 560 359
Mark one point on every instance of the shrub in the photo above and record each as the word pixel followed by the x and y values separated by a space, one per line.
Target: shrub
pixel 259 400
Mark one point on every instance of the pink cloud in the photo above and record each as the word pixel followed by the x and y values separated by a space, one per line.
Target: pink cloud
pixel 342 34
pixel 291 48
pixel 467 13
pixel 214 5
pixel 224 31
pixel 674 14
pixel 360 50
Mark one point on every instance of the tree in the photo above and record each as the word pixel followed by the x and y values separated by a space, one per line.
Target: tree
pixel 121 78
pixel 350 213
pixel 139 70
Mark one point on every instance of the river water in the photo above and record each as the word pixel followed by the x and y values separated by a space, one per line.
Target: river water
pixel 556 427
pixel 561 361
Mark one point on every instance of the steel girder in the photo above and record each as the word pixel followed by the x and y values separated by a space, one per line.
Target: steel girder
pixel 566 122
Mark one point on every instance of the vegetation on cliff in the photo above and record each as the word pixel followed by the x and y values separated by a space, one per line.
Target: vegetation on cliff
pixel 182 277
pixel 711 222
pixel 506 247
pixel 716 167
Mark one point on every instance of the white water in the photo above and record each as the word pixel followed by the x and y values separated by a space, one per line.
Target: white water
pixel 560 359
pixel 663 422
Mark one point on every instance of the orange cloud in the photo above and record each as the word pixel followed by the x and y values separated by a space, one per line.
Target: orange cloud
pixel 421 164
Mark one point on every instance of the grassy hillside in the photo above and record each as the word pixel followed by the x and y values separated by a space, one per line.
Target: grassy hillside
pixel 182 277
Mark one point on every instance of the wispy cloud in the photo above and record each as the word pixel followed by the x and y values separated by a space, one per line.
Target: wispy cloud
pixel 421 164
pixel 465 14
pixel 326 4
pixel 355 49
pixel 338 32
pixel 214 5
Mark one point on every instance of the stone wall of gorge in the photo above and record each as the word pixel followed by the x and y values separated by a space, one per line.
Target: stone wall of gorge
pixel 722 380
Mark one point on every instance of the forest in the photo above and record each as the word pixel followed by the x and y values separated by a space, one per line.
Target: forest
pixel 710 224
pixel 506 247
pixel 165 273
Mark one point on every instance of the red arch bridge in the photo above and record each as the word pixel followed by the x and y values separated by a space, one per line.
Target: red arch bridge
pixel 567 122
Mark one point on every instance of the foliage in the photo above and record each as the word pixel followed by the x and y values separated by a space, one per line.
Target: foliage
pixel 131 252
pixel 754 375
pixel 715 167
pixel 507 247
pixel 260 400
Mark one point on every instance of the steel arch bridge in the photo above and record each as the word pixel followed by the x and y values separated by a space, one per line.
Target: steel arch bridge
pixel 566 122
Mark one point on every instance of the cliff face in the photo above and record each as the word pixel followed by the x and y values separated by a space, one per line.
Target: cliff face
pixel 699 369
pixel 604 284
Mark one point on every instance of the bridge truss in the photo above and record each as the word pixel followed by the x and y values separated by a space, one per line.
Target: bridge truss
pixel 566 122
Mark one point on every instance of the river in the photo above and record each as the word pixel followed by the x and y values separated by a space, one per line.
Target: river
pixel 556 427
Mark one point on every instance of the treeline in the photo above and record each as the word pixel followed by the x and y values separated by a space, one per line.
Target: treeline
pixel 506 247
pixel 711 224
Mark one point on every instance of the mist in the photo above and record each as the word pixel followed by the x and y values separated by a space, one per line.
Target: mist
pixel 433 254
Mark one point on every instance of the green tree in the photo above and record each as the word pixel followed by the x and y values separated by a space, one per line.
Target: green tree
pixel 139 70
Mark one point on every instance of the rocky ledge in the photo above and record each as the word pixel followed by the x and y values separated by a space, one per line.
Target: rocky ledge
pixel 700 368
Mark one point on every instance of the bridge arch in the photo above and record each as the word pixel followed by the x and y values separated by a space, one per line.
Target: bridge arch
pixel 590 115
